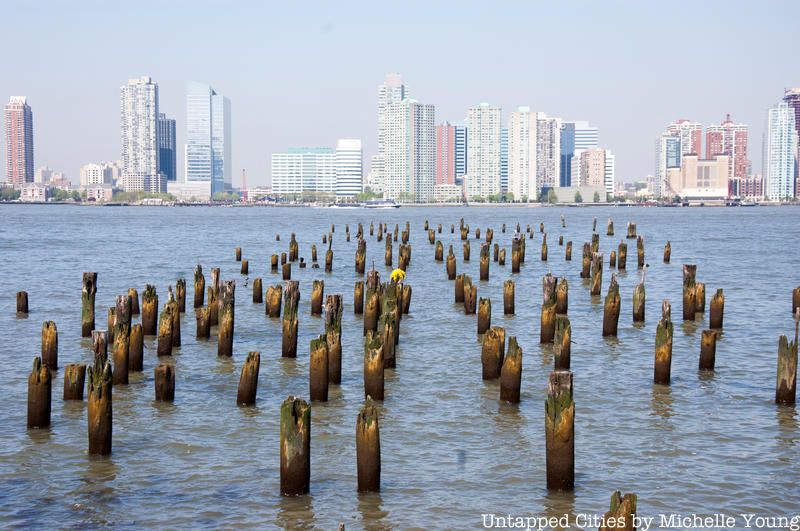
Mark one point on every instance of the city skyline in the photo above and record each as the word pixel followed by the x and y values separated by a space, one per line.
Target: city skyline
pixel 626 72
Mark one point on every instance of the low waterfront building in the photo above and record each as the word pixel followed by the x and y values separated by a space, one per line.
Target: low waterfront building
pixel 99 193
pixel 576 194
pixel 34 193
pixel 699 178
pixel 447 193
pixel 190 190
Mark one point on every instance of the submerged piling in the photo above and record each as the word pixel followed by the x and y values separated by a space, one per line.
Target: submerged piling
pixel 50 345
pixel 611 309
pixel 136 349
pixel 597 273
pixel 39 395
pixel 289 321
pixel 493 352
pixel 511 373
pixel 484 261
pixel 199 286
pixel 99 409
pixel 717 311
pixel 164 376
pixel 689 292
pixel 484 315
pixel 667 252
pixel 317 293
pixel 508 297
pixel 562 296
pixel 622 515
pixel 318 370
pixel 372 303
pixel 258 291
pixel 295 447
pixel 273 304
pixel 358 297
pixel 373 366
pixel 559 430
pixel 149 310
pixel 122 331
pixel 622 256
pixel 74 381
pixel 639 298
pixel 562 340
pixel 333 337
pixel 87 303
pixel 226 319
pixel 368 449
pixel 663 363
pixel 248 381
pixel 22 302
pixel 708 350
pixel 640 251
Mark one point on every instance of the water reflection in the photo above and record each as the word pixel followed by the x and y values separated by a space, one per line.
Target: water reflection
pixel 373 515
pixel 557 504
pixel 661 401
pixel 788 435
pixel 296 512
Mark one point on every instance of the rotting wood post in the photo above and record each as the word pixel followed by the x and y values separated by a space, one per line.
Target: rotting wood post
pixel 318 370
pixel 484 261
pixel 404 257
pixel 595 243
pixel 248 381
pixel 284 259
pixel 640 251
pixel 511 372
pixel 164 376
pixel 568 252
pixel 689 292
pixel 287 271
pixel 203 316
pixel 122 336
pixel 176 319
pixel 368 449
pixel 50 345
pixel 313 255
pixel 136 349
pixel 562 296
pixel 273 261
pixel 459 288
pixel 639 299
pixel 548 322
pixel 165 321
pixel 622 515
pixel 258 291
pixel 293 248
pixel 289 323
pixel 717 312
pixel 795 300
pixel 372 303
pixel 560 239
pixel 406 306
pixel 667 252
pixel 149 310
pixel 99 347
pixel 562 343
pixel 87 303
pixel 74 381
pixel 199 287
pixel 611 309
pixel 470 296
pixel 586 260
pixel 451 265
pixel 466 251
pixel 388 327
pixel 786 386
pixel 496 252
pixel 559 432
pixel 708 350
pixel 484 315
pixel 508 297
pixel 373 366
pixel 663 362
pixel 110 325
pixel 39 395
pixel 622 256
pixel 180 295
pixel 493 352
pixel 226 318
pixel 238 251
pixel 594 227
pixel 501 259
pixel 22 302
pixel 631 230
pixel 358 297
pixel 333 337
pixel 610 227
pixel 516 255
pixel 99 414
pixel 329 258
pixel 134 295
pixel 700 298
pixel 544 248
pixel 273 304
pixel 295 447
pixel 612 259
pixel 245 269
pixel 317 294
pixel 438 253
pixel 597 273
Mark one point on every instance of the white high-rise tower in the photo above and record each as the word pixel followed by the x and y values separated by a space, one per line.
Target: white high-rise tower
pixel 522 153
pixel 484 123
pixel 139 133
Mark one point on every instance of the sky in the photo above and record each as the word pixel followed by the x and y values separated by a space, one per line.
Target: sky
pixel 306 73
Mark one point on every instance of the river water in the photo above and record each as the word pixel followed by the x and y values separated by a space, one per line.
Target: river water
pixel 451 451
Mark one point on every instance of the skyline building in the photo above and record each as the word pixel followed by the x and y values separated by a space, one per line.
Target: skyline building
pixel 503 159
pixel 93 174
pixel 208 137
pixel 167 163
pixel 575 137
pixel 522 154
pixel 484 124
pixel 304 169
pixel 19 141
pixel 698 178
pixel 681 137
pixel 445 153
pixel 461 150
pixel 409 170
pixel 780 152
pixel 729 139
pixel 139 133
pixel 548 152
pixel 349 167
pixel 392 90
pixel 610 176
pixel 792 97
pixel 592 167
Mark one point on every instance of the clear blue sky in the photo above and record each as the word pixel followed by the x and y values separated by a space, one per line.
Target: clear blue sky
pixel 306 73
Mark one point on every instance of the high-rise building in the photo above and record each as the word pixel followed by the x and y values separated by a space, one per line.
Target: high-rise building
pixel 19 141
pixel 682 137
pixel 522 154
pixel 96 174
pixel 445 153
pixel 548 152
pixel 304 170
pixel 792 97
pixel 43 175
pixel 700 178
pixel 729 139
pixel 208 137
pixel 484 123
pixel 461 149
pixel 375 175
pixel 392 90
pixel 610 176
pixel 780 152
pixel 575 137
pixel 690 133
pixel 140 153
pixel 593 167
pixel 349 167
pixel 166 147
pixel 409 172
pixel 504 159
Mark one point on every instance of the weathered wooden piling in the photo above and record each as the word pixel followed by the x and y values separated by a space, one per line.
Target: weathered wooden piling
pixel 245 269
pixel 388 326
pixel 516 255
pixel 612 259
pixel 136 349
pixel 631 234
pixel 431 236
pixel 622 516
pixel 484 261
pixel 663 363
pixel 406 299
pixel 122 333
pixel 333 337
pixel 689 292
pixel 708 350
pixel 640 251
pixel 438 253
pixel 404 258
pixel 508 297
pixel 149 310
pixel 372 304
pixel 622 256
pixel 501 259
pixel 561 240
pixel 611 308
pixel 586 260
pixel 470 296
pixel 795 300
pixel 293 248
pixel 562 343
pixel 548 321
pixel 717 312
pixel 99 412
pixel 493 352
pixel 39 395
pixel 496 252
pixel 226 318
pixel 667 252
pixel 110 324
pixel 568 252
pixel 466 251
pixel 700 298
pixel 373 366
pixel 544 248
pixel 317 294
pixel 484 315
pixel 477 233
pixel 273 260
pixel 287 271
pixel 451 265
pixel 199 287
pixel 273 301
pixel 358 297
pixel 594 227
pixel 180 295
pixel 248 381
pixel 368 449
pixel 563 222
pixel 597 273
pixel 786 386
pixel 74 381
pixel 284 258
pixel 318 370
pixel 165 322
pixel 313 255
pixel 50 345
pixel 459 288
pixel 610 227
pixel 203 316
pixel 258 291
pixel 562 296
pixel 22 302
pixel 639 298
pixel 99 347
pixel 87 303
pixel 559 432
pixel 238 252
pixel 176 319
pixel 291 297
pixel 295 446
pixel 511 372
pixel 164 377
pixel 595 243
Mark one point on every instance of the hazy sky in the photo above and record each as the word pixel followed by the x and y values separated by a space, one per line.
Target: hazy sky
pixel 306 73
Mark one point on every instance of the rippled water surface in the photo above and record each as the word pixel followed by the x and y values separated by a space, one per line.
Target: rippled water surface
pixel 450 450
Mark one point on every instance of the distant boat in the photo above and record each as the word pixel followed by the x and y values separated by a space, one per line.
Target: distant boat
pixel 381 203
pixel 346 205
